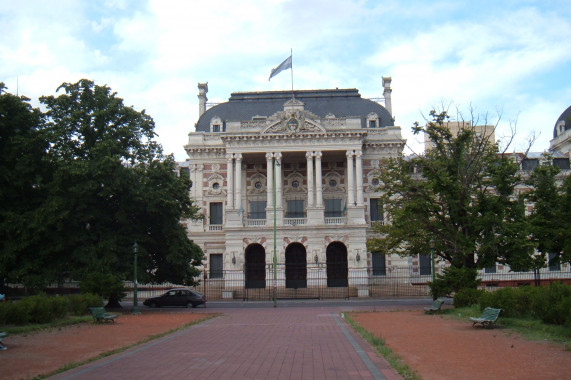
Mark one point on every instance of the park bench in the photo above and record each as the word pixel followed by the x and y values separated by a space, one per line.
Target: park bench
pixel 2 335
pixel 435 308
pixel 488 318
pixel 100 315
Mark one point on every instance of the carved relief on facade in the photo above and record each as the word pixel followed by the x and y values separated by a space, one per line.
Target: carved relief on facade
pixel 255 240
pixel 295 239
pixel 373 181
pixel 257 184
pixel 341 238
pixel 293 122
pixel 215 185
pixel 333 183
pixel 294 184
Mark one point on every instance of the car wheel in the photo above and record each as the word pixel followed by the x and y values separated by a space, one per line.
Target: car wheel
pixel 153 305
pixel 189 305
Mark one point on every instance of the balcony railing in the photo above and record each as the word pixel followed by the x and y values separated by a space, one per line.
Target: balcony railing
pixel 255 222
pixel 215 227
pixel 295 221
pixel 336 220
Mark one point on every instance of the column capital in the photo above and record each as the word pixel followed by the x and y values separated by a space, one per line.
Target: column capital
pixel 318 154
pixel 269 156
pixel 278 156
pixel 350 153
pixel 238 156
pixel 229 156
pixel 308 155
pixel 358 153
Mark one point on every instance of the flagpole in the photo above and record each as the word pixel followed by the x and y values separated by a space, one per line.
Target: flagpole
pixel 291 55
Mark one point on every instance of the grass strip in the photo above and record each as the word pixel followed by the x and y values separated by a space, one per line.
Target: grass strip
pixel 381 348
pixel 530 328
pixel 69 366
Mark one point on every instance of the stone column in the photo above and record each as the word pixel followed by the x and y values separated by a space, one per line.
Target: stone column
pixel 279 182
pixel 238 188
pixel 359 175
pixel 310 197
pixel 270 180
pixel 230 181
pixel 318 180
pixel 350 179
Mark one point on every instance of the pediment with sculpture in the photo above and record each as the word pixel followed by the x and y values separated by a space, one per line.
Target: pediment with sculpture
pixel 293 122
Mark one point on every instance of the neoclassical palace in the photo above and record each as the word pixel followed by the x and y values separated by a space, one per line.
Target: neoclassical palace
pixel 289 176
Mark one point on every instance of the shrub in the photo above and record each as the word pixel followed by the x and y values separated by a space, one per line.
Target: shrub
pixel 467 297
pixel 453 280
pixel 79 303
pixel 548 302
pixel 103 284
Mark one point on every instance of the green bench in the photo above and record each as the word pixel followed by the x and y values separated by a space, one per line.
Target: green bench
pixel 435 308
pixel 488 318
pixel 100 315
pixel 2 335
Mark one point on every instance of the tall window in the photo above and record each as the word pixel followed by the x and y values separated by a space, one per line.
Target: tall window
pixel 333 208
pixel 216 265
pixel 491 269
pixel 375 210
pixel 257 209
pixel 425 264
pixel 553 261
pixel 379 264
pixel 216 213
pixel 295 209
pixel 529 164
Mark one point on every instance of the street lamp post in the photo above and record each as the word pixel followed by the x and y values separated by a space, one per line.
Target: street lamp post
pixel 135 301
pixel 275 243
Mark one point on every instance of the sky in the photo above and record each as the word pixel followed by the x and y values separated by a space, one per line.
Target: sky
pixel 494 62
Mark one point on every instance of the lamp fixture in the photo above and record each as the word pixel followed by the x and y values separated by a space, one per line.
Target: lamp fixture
pixel 358 258
pixel 316 259
pixel 234 258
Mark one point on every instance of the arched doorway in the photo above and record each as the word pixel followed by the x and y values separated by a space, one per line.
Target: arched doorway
pixel 337 271
pixel 296 266
pixel 255 266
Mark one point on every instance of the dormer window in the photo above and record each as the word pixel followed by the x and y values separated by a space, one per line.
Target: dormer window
pixel 373 121
pixel 216 125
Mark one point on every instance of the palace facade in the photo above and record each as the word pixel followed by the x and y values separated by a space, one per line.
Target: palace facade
pixel 289 176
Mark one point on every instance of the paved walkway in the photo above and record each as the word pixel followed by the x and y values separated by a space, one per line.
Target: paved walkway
pixel 250 343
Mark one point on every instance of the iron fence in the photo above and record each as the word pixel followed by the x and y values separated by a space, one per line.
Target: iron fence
pixel 313 283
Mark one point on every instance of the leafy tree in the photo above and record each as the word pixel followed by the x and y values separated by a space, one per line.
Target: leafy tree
pixel 457 199
pixel 565 220
pixel 548 218
pixel 110 185
pixel 23 175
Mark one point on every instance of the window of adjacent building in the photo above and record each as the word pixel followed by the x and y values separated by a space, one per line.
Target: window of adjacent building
pixel 529 164
pixel 295 209
pixel 491 269
pixel 333 208
pixel 425 264
pixel 216 265
pixel 561 163
pixel 216 128
pixel 372 124
pixel 257 209
pixel 378 260
pixel 554 264
pixel 216 213
pixel 375 210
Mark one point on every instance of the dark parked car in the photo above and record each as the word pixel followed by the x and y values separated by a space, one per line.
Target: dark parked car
pixel 177 297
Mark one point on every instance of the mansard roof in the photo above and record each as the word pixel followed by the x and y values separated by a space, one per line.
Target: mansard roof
pixel 243 106
pixel 564 116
